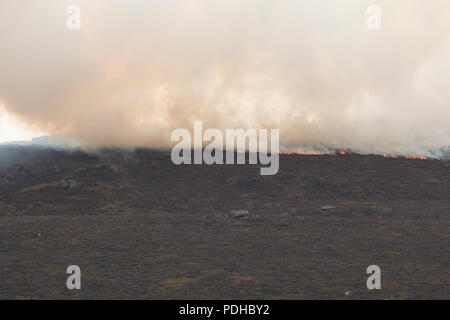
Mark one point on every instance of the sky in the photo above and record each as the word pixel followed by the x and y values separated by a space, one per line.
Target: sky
pixel 13 129
pixel 138 69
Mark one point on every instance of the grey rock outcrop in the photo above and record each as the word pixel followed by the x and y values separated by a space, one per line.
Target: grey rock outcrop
pixel 239 214
pixel 69 183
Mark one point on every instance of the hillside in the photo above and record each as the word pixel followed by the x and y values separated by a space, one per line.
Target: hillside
pixel 140 227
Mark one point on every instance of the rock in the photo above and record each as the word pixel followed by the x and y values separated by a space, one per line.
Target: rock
pixel 100 166
pixel 325 208
pixel 69 183
pixel 73 183
pixel 21 207
pixel 23 172
pixel 239 214
pixel 104 165
pixel 80 169
pixel 65 184
pixel 16 173
pixel 10 178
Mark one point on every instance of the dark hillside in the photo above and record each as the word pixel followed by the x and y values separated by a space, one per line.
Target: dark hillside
pixel 141 227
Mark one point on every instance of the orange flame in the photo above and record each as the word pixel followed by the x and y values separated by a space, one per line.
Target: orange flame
pixel 417 158
pixel 342 152
pixel 304 152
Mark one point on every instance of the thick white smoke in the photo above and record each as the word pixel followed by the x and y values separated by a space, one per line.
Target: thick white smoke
pixel 136 70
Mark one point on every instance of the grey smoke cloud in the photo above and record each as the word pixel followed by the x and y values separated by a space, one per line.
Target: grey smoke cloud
pixel 137 70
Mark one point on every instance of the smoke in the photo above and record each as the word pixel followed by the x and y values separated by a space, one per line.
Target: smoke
pixel 137 70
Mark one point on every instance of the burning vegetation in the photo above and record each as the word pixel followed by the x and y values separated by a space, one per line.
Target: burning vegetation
pixel 341 152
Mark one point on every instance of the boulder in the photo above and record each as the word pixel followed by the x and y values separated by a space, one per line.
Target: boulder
pixel 69 183
pixel 239 214
pixel 73 183
pixel 105 165
pixel 11 178
pixel 23 172
pixel 17 174
pixel 65 184
pixel 82 169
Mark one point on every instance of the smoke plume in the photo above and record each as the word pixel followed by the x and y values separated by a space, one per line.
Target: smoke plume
pixel 137 70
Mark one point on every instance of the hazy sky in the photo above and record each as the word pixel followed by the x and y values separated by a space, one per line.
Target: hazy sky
pixel 136 70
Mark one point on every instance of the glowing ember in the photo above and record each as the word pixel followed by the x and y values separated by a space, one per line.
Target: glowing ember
pixel 417 158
